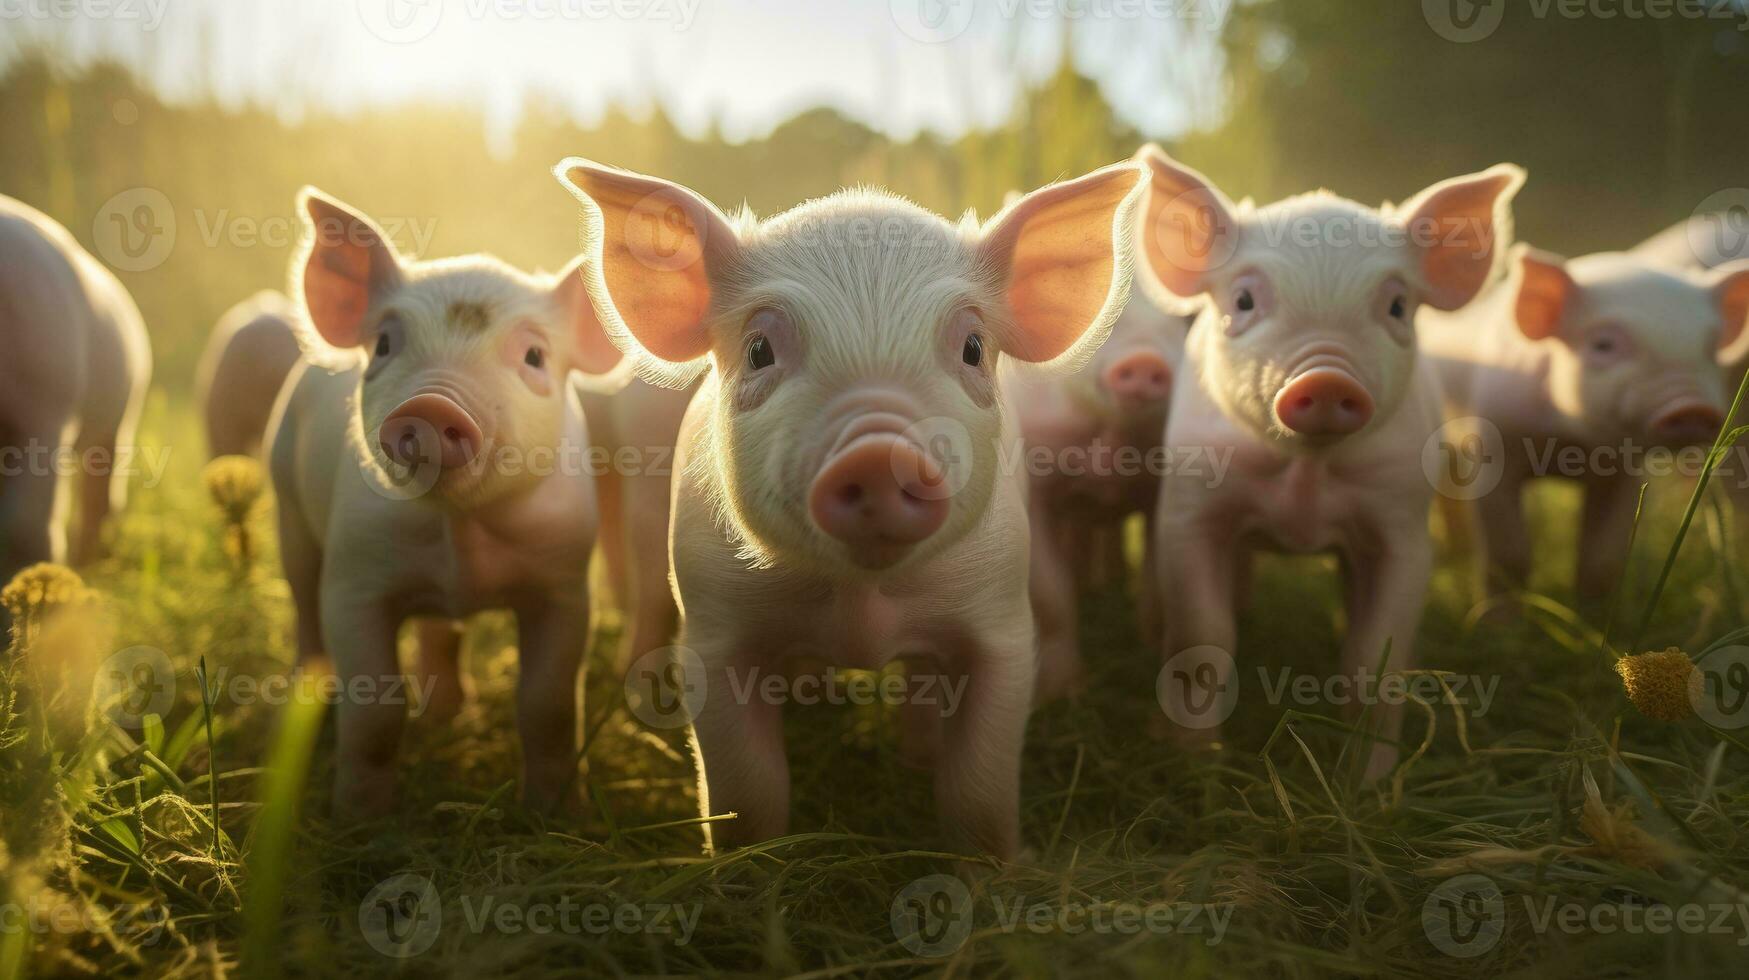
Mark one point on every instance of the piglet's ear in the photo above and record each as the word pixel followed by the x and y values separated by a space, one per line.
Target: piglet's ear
pixel 1730 285
pixel 1545 291
pixel 1459 228
pixel 594 353
pixel 1188 229
pixel 1064 253
pixel 653 249
pixel 350 264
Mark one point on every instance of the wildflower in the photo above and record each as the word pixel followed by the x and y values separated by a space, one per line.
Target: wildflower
pixel 36 594
pixel 235 483
pixel 1657 683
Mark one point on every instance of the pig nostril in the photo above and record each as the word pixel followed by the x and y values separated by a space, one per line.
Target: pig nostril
pixel 1305 403
pixel 851 495
pixel 1348 405
pixel 453 434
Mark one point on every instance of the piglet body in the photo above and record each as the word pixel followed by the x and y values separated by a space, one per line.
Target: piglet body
pixel 252 349
pixel 838 496
pixel 1092 439
pixel 441 476
pixel 1304 367
pixel 74 376
pixel 1601 358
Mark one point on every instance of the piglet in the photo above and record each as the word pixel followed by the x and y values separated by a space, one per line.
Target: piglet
pixel 252 349
pixel 1304 366
pixel 1093 456
pixel 838 494
pixel 428 464
pixel 1609 355
pixel 72 380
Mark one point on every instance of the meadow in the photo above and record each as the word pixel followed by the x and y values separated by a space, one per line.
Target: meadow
pixel 1266 856
pixel 1540 823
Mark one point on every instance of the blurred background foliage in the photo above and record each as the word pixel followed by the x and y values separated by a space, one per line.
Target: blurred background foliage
pixel 1624 124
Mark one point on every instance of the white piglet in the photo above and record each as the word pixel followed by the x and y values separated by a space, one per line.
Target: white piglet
pixel 73 376
pixel 1607 356
pixel 426 465
pixel 1304 367
pixel 1093 455
pixel 253 347
pixel 838 492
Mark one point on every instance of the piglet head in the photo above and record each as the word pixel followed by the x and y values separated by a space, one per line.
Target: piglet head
pixel 853 344
pixel 465 360
pixel 1638 351
pixel 1128 383
pixel 1308 335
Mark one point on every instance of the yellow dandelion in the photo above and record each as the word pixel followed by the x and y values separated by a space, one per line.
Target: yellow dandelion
pixel 38 592
pixel 235 484
pixel 1657 683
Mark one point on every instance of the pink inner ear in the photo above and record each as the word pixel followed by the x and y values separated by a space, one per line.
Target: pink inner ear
pixel 657 241
pixel 595 353
pixel 1543 292
pixel 1733 295
pixel 337 290
pixel 1454 224
pixel 1189 228
pixel 1057 247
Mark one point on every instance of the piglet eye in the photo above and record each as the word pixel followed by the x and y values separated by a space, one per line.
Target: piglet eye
pixel 1398 308
pixel 1244 302
pixel 535 358
pixel 973 353
pixel 383 345
pixel 759 353
pixel 1603 345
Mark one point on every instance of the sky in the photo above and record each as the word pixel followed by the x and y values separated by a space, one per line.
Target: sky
pixel 899 65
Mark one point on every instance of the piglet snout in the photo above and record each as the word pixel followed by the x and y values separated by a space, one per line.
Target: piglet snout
pixel 1139 376
pixel 880 494
pixel 1688 424
pixel 1323 402
pixel 431 426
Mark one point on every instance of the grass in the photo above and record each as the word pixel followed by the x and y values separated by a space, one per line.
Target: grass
pixel 1560 791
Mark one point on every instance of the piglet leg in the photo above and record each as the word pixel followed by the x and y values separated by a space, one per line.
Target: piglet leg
pixel 553 638
pixel 360 636
pixel 737 746
pixel 1052 585
pixel 1196 582
pixel 977 778
pixel 1387 591
pixel 1604 531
